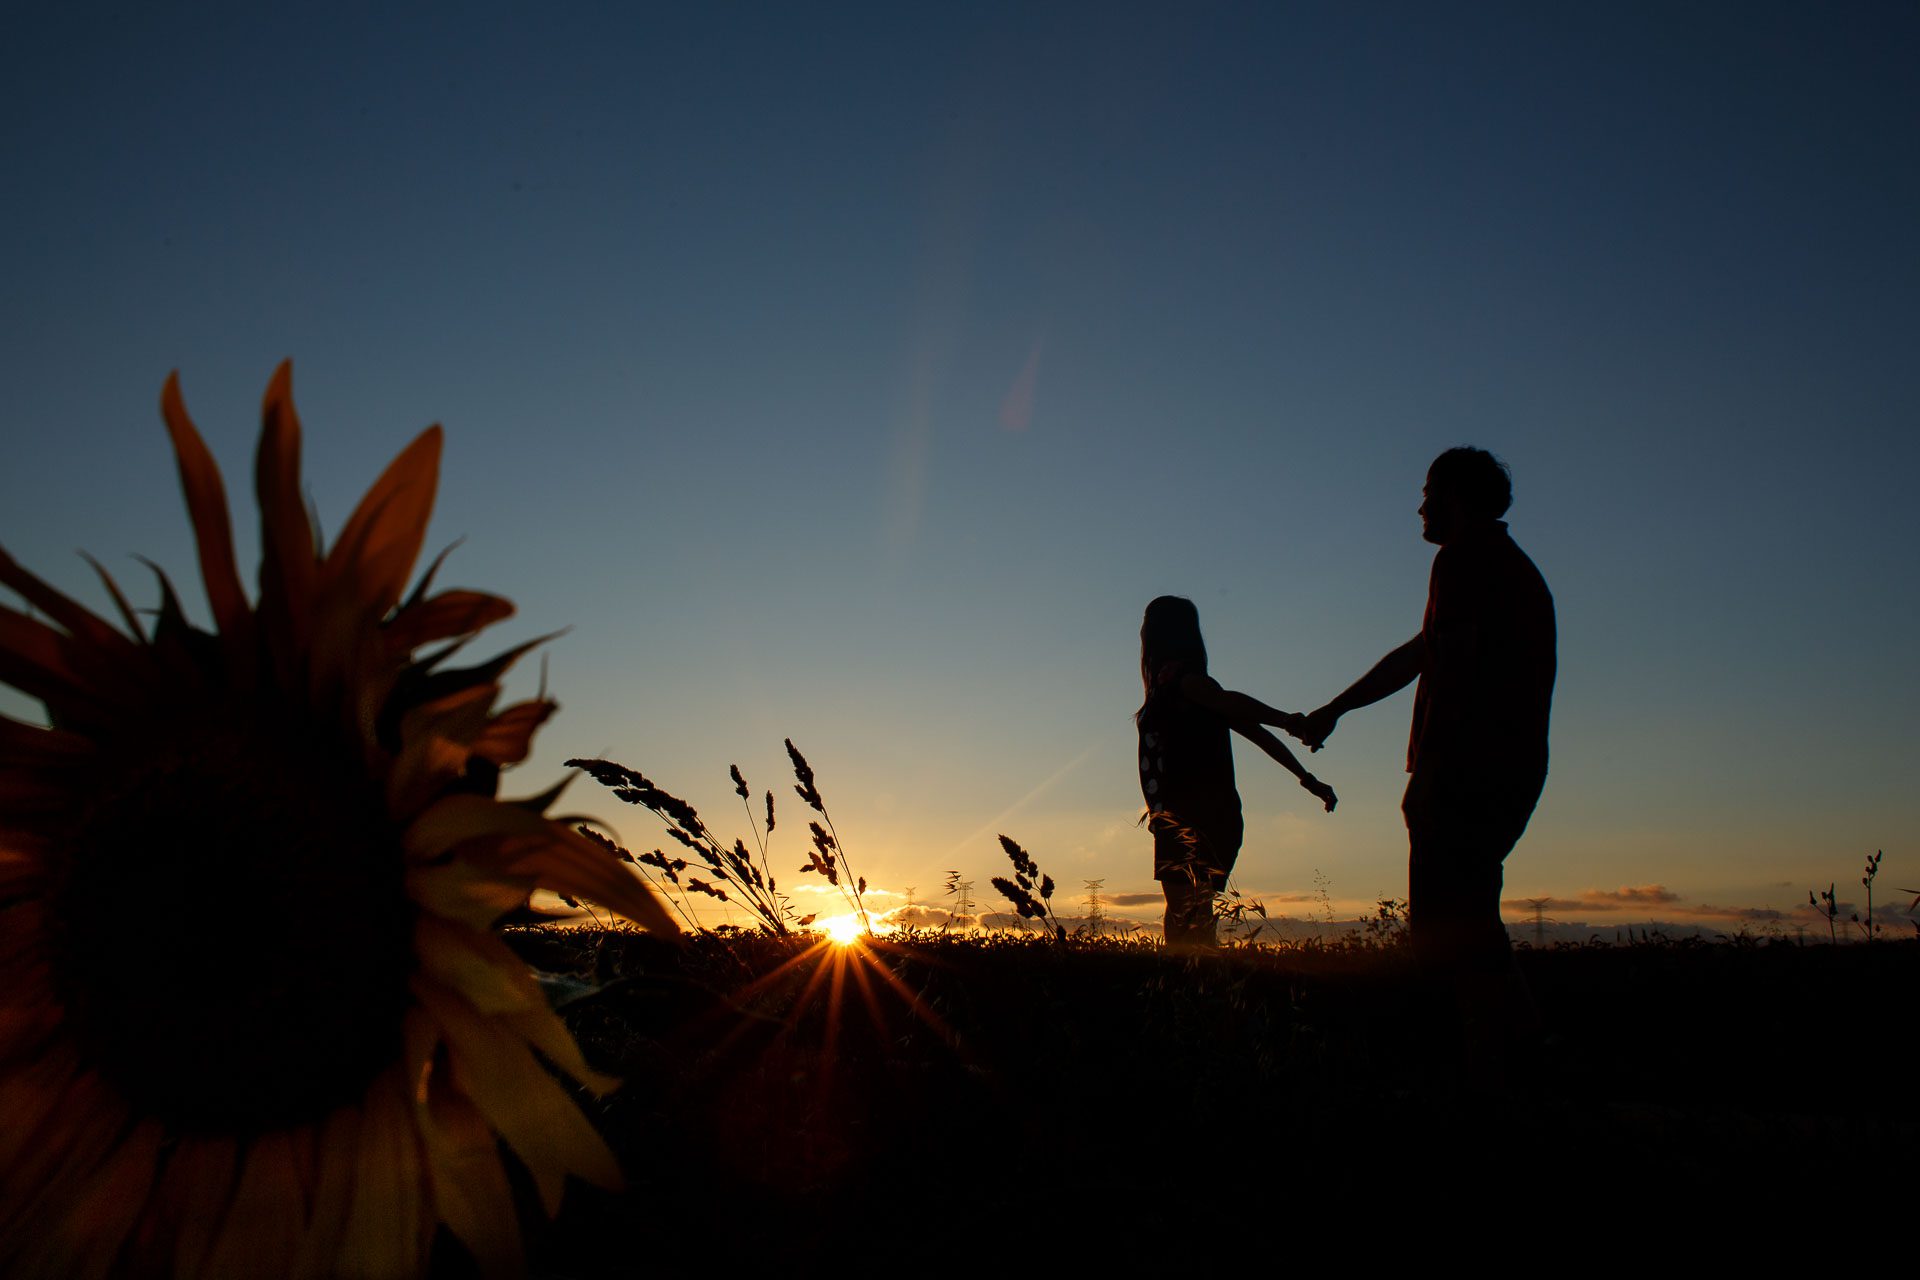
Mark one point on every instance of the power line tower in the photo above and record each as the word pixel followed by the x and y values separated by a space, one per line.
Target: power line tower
pixel 961 891
pixel 1095 916
pixel 1539 906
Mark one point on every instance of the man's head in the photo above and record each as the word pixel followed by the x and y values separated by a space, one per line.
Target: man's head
pixel 1465 487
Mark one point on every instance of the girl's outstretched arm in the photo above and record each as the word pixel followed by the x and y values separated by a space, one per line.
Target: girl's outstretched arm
pixel 1205 691
pixel 1278 750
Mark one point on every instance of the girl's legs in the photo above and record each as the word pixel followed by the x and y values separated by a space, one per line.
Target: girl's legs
pixel 1189 919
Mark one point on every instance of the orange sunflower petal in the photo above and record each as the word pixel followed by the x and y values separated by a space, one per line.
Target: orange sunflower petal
pixel 85 1242
pixel 30 1017
pixel 127 615
pixel 571 864
pixel 75 1136
pixel 542 1029
pixel 458 891
pixel 514 842
pixel 509 736
pixel 335 1162
pixel 386 1229
pixel 522 1103
pixel 435 751
pixel 289 558
pixel 25 1097
pixel 480 967
pixel 377 548
pixel 79 621
pixel 22 933
pixel 470 1187
pixel 41 663
pixel 207 505
pixel 268 1212
pixel 442 617
pixel 189 1204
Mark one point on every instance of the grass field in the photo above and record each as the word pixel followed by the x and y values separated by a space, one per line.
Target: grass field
pixel 1011 1098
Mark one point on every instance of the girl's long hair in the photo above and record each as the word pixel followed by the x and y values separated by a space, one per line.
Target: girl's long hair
pixel 1169 632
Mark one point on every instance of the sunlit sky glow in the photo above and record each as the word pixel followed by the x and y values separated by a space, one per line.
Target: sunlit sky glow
pixel 856 374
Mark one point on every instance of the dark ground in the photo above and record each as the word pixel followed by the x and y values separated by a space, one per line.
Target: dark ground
pixel 1067 1101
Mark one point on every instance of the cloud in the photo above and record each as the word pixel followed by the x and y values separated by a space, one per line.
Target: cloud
pixel 1627 897
pixel 1133 899
pixel 1631 895
pixel 924 917
pixel 1743 915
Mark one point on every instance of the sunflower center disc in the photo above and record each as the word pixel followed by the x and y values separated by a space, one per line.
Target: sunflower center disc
pixel 236 936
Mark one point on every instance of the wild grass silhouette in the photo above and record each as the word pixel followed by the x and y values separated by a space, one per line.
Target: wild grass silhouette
pixel 1024 1082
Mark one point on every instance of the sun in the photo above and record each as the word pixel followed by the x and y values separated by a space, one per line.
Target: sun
pixel 842 931
pixel 316 1085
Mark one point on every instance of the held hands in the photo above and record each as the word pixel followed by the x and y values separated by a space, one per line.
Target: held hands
pixel 1321 791
pixel 1315 728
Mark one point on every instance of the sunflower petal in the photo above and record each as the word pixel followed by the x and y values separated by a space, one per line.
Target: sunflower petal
pixel 460 717
pixel 442 617
pixel 207 505
pixel 509 737
pixel 386 1232
pixel 190 1203
pixel 187 653
pixel 335 1165
pixel 86 1241
pixel 268 1212
pixel 477 965
pixel 25 1097
pixel 456 819
pixel 543 1029
pixel 289 558
pixel 79 621
pixel 29 1017
pixel 470 1188
pixel 425 582
pixel 421 683
pixel 40 662
pixel 510 841
pixel 40 772
pixel 569 863
pixel 377 548
pixel 74 1137
pixel 22 933
pixel 127 615
pixel 436 751
pixel 468 894
pixel 522 1103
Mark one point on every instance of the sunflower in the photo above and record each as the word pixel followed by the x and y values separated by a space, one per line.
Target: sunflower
pixel 318 1077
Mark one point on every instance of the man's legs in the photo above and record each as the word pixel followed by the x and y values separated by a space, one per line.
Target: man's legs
pixel 1458 839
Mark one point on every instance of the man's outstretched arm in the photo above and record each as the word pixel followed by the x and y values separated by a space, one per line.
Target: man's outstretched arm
pixel 1389 676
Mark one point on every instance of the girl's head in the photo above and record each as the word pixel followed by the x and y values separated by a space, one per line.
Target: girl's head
pixel 1170 632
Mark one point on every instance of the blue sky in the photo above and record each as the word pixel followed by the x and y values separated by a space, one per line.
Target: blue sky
pixel 856 374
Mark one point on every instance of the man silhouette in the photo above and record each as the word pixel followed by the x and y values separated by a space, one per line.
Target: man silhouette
pixel 1484 658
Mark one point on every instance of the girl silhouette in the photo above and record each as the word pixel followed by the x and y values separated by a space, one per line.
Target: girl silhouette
pixel 1186 766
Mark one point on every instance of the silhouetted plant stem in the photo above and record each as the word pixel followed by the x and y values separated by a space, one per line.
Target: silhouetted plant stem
pixel 831 860
pixel 733 867
pixel 760 841
pixel 1873 869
